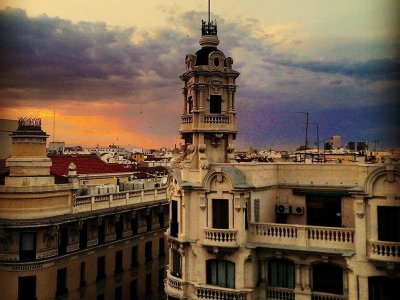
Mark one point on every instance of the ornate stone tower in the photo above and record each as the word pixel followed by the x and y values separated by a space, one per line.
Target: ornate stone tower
pixel 209 117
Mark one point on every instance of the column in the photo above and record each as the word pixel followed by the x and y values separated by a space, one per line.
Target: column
pixel 184 93
pixel 230 98
pixel 345 282
pixel 298 276
pixel 195 98
pixel 201 89
pixel 263 272
pixel 306 277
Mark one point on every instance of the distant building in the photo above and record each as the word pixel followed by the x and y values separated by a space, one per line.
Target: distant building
pixel 56 147
pixel 336 142
pixel 6 128
pixel 60 241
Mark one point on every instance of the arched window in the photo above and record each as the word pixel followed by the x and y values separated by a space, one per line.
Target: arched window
pixel 281 273
pixel 327 278
pixel 221 273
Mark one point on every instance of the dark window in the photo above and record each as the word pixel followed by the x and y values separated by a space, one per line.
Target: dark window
pixel 61 282
pixel 101 268
pixel 161 247
pixel 161 218
pixel 324 211
pixel 100 297
pixel 118 262
pixel 383 288
pixel 281 273
pixel 190 104
pixel 27 288
pixel 389 223
pixel 174 219
pixel 27 246
pixel 135 260
pixel 161 276
pixel 176 263
pixel 133 290
pixel 215 104
pixel 118 293
pixel 246 222
pixel 148 248
pixel 216 61
pixel 148 283
pixel 119 227
pixel 101 231
pixel 134 225
pixel 82 282
pixel 149 221
pixel 220 213
pixel 62 239
pixel 327 278
pixel 83 236
pixel 221 273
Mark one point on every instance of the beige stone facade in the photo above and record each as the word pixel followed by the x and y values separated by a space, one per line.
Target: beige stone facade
pixel 55 244
pixel 271 230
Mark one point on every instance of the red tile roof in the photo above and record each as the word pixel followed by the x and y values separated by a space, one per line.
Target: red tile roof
pixel 85 164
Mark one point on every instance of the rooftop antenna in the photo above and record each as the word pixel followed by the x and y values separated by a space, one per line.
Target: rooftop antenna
pixel 209 11
pixel 306 139
pixel 54 125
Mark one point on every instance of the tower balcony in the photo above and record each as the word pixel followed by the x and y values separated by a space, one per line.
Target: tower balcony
pixel 318 237
pixel 174 286
pixel 212 292
pixel 384 251
pixel 208 122
pixel 220 237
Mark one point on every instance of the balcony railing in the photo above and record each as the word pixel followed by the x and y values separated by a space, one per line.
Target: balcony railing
pixel 382 250
pixel 279 293
pixel 326 296
pixel 217 293
pixel 303 235
pixel 220 237
pixel 94 202
pixel 216 119
pixel 174 286
pixel 187 119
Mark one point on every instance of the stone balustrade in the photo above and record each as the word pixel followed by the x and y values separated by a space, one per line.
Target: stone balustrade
pixel 303 235
pixel 187 119
pixel 383 250
pixel 216 119
pixel 220 293
pixel 220 237
pixel 279 293
pixel 91 203
pixel 174 285
pixel 326 296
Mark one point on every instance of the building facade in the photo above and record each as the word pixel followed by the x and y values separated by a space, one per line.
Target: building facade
pixel 55 244
pixel 271 230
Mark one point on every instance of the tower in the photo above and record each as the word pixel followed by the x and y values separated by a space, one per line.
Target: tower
pixel 209 117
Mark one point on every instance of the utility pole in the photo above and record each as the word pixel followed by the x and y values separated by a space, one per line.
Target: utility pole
pixel 209 11
pixel 306 140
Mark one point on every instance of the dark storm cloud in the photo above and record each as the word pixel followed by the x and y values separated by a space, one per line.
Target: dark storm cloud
pixel 376 69
pixel 47 57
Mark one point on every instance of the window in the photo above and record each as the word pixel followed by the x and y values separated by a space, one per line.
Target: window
pixel 134 261
pixel 324 211
pixel 27 288
pixel 281 273
pixel 221 273
pixel 383 288
pixel 215 104
pixel 190 104
pixel 327 278
pixel 119 227
pixel 174 229
pixel 82 282
pixel 148 283
pixel 176 264
pixel 83 236
pixel 161 218
pixel 134 225
pixel 62 240
pixel 220 213
pixel 148 249
pixel 118 262
pixel 27 246
pixel 100 297
pixel 101 268
pixel 101 231
pixel 133 290
pixel 161 251
pixel 389 223
pixel 61 282
pixel 118 293
pixel 149 221
pixel 161 276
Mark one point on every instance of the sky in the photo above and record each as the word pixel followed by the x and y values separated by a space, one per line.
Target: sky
pixel 108 71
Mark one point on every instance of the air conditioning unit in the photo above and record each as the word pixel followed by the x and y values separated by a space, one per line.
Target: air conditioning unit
pixel 298 210
pixel 282 209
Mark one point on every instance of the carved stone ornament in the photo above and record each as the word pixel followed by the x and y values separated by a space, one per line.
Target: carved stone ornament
pixel 190 61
